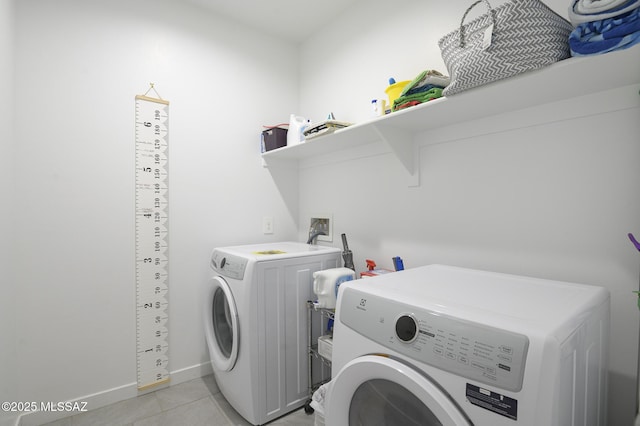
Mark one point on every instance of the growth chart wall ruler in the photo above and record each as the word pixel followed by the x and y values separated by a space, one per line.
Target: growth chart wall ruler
pixel 152 240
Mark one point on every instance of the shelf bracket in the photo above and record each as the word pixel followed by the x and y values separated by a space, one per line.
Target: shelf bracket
pixel 401 143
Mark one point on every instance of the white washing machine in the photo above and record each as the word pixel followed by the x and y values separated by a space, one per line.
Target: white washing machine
pixel 256 324
pixel 440 345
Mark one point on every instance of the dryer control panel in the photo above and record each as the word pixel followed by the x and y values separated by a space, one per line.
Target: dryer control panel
pixel 228 265
pixel 479 352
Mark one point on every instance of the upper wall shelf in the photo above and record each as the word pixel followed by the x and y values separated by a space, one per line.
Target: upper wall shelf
pixel 562 80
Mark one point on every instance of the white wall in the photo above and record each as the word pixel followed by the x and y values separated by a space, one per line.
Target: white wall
pixel 78 67
pixel 7 284
pixel 548 192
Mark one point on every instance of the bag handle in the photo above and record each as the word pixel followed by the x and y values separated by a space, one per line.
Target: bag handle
pixel 490 11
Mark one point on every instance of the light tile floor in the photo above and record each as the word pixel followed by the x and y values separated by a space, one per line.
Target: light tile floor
pixel 194 403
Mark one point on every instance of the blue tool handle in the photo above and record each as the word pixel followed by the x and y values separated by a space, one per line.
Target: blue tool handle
pixel 398 264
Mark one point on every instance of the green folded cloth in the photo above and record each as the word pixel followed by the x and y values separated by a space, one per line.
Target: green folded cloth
pixel 421 97
pixel 426 78
pixel 426 86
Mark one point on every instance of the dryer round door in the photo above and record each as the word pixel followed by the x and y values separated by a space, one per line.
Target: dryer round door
pixel 221 325
pixel 376 390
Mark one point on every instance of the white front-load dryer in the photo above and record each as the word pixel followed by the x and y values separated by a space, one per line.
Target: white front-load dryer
pixel 440 345
pixel 255 322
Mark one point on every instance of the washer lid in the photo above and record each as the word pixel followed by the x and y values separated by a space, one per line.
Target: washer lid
pixel 512 302
pixel 374 387
pixel 277 250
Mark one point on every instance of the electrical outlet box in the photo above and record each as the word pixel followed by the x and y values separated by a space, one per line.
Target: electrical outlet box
pixel 322 223
pixel 267 225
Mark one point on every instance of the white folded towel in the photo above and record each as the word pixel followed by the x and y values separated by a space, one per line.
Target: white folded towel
pixel 582 11
pixel 597 6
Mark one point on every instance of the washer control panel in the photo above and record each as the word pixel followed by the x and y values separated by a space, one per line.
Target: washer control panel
pixel 476 351
pixel 228 265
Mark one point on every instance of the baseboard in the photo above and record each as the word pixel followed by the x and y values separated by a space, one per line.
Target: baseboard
pixel 8 420
pixel 111 396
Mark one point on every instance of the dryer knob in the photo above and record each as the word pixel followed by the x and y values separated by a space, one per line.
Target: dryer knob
pixel 407 328
pixel 223 262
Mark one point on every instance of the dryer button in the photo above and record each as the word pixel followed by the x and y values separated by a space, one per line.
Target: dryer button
pixel 406 328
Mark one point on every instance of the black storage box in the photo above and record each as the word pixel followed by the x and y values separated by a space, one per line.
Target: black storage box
pixel 273 138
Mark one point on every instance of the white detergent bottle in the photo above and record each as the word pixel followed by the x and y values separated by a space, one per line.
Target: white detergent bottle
pixel 326 284
pixel 297 125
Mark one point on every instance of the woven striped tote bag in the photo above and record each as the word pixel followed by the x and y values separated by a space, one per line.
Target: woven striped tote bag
pixel 515 37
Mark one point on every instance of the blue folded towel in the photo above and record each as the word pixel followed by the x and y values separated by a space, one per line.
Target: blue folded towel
pixel 597 37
